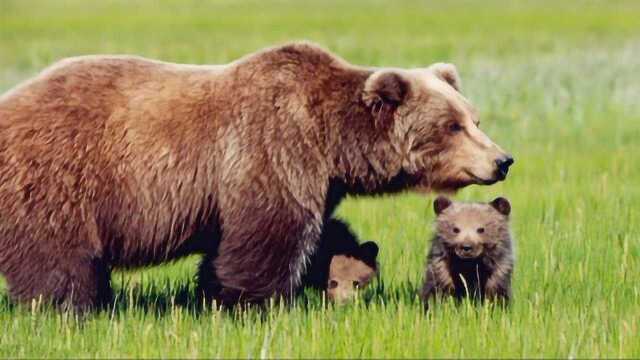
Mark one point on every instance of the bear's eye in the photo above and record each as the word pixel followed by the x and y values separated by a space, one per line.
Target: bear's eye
pixel 356 284
pixel 455 127
pixel 333 284
pixel 480 230
pixel 456 230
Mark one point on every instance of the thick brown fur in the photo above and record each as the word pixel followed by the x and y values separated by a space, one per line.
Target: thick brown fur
pixel 357 264
pixel 471 253
pixel 121 161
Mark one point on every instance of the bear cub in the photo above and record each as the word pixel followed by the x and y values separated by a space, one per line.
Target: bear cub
pixel 341 266
pixel 471 253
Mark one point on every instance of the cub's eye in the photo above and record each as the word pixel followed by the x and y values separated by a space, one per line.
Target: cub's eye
pixel 333 284
pixel 356 284
pixel 456 230
pixel 455 127
pixel 480 230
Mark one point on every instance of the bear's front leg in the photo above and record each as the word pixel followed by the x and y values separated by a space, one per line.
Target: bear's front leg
pixel 498 286
pixel 438 281
pixel 263 252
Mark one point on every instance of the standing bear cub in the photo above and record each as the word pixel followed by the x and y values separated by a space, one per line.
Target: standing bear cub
pixel 471 253
pixel 121 161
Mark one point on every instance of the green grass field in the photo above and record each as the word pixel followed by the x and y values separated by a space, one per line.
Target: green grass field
pixel 557 83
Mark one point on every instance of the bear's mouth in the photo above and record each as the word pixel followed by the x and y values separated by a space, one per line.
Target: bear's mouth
pixel 451 185
pixel 467 257
pixel 480 181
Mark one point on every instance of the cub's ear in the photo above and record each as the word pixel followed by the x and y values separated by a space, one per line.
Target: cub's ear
pixel 369 250
pixel 384 91
pixel 447 73
pixel 502 205
pixel 441 203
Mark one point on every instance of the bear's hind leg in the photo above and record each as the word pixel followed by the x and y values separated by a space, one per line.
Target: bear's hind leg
pixel 79 283
pixel 90 286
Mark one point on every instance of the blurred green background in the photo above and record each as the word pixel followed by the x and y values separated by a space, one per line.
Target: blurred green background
pixel 557 84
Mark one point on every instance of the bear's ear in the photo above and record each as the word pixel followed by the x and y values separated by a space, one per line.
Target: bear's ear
pixel 369 250
pixel 384 91
pixel 447 73
pixel 441 203
pixel 502 205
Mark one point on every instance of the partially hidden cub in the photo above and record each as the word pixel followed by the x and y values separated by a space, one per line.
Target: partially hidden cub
pixel 471 253
pixel 341 266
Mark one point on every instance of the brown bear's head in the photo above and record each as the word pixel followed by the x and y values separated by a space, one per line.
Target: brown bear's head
pixel 469 230
pixel 434 128
pixel 350 272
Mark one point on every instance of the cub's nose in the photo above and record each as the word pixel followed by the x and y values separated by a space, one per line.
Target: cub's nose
pixel 503 166
pixel 467 248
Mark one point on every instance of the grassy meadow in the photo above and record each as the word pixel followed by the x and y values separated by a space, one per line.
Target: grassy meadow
pixel 557 84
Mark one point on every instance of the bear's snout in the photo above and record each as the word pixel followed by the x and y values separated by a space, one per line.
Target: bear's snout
pixel 468 251
pixel 503 165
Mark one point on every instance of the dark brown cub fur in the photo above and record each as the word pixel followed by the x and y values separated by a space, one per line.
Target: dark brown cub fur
pixel 471 253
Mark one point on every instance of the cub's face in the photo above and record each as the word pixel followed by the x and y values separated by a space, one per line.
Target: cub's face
pixel 351 272
pixel 435 128
pixel 469 230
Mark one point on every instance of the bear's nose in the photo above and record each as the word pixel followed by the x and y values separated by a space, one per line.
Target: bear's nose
pixel 503 166
pixel 467 248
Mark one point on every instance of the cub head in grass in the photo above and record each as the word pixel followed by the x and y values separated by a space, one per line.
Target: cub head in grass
pixel 471 253
pixel 351 272
pixel 341 265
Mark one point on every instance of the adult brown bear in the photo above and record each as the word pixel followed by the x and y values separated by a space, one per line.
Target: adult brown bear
pixel 119 161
